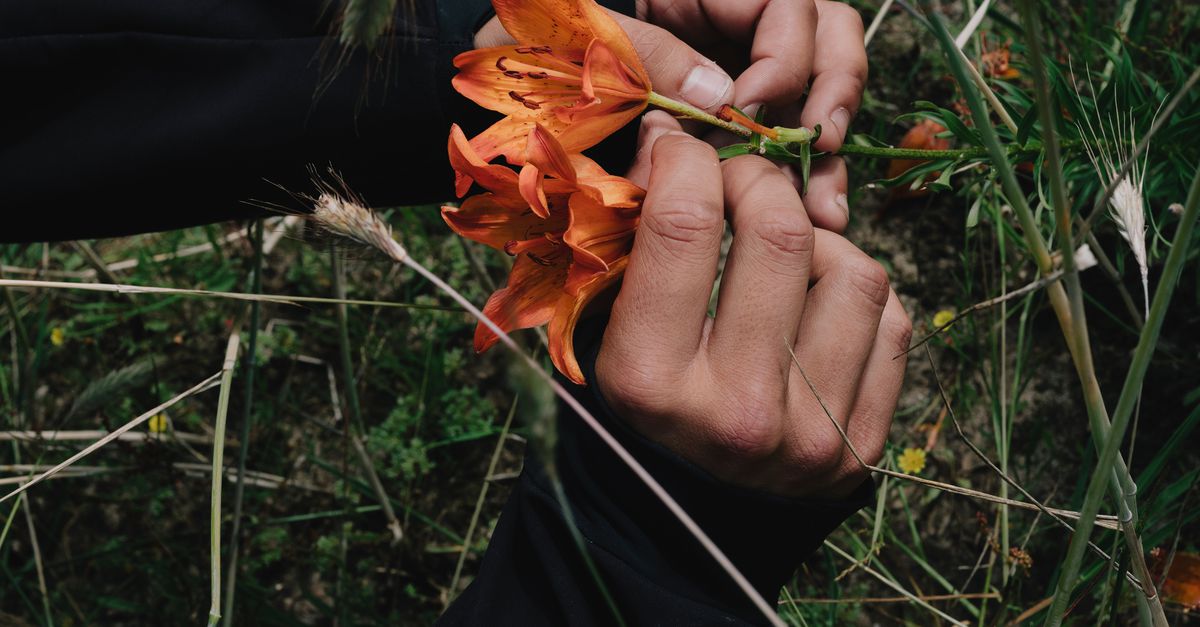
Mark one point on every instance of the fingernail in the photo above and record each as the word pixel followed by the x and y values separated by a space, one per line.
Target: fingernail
pixel 751 110
pixel 841 119
pixel 843 203
pixel 706 86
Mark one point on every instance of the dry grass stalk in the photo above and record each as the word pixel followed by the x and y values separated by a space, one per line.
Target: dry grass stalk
pixel 206 384
pixel 895 586
pixel 344 216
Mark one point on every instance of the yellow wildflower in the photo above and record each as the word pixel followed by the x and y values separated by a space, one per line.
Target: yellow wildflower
pixel 159 423
pixel 57 336
pixel 943 317
pixel 912 461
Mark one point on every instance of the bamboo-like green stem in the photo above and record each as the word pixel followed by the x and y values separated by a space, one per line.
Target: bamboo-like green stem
pixel 218 476
pixel 1129 395
pixel 1098 420
pixel 1079 329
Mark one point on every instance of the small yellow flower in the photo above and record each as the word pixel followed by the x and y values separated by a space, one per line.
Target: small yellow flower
pixel 159 423
pixel 943 317
pixel 912 461
pixel 57 336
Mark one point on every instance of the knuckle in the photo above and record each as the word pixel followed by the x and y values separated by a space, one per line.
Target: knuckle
pixel 681 152
pixel 896 328
pixel 785 230
pixel 822 450
pixel 752 429
pixel 869 278
pixel 754 433
pixel 641 390
pixel 684 220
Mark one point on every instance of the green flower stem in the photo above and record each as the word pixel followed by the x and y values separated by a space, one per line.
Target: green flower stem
pixel 683 109
pixel 686 110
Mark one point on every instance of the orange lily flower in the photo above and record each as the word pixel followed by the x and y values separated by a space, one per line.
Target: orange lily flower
pixel 569 224
pixel 573 71
pixel 924 136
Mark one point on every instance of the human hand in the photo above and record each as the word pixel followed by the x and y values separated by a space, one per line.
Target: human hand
pixel 724 392
pixel 775 48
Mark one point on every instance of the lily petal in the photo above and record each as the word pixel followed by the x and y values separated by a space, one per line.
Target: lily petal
pixel 607 77
pixel 530 299
pixel 597 234
pixel 545 152
pixel 569 25
pixel 498 222
pixel 469 167
pixel 530 183
pixel 566 316
pixel 544 155
pixel 517 80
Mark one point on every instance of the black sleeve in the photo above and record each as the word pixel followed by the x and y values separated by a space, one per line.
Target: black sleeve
pixel 657 574
pixel 127 116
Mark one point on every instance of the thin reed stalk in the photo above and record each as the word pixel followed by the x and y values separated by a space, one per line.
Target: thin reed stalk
pixel 206 384
pixel 218 466
pixel 1125 404
pixel 1092 395
pixel 248 368
pixel 897 587
pixel 479 501
pixel 357 429
pixel 125 288
pixel 1122 484
pixel 359 224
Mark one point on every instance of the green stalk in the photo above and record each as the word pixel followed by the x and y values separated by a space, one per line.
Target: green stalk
pixel 357 426
pixel 686 110
pixel 247 404
pixel 218 476
pixel 1097 418
pixel 1092 395
pixel 1129 394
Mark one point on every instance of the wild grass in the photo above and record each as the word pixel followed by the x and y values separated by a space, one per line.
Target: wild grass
pixel 365 413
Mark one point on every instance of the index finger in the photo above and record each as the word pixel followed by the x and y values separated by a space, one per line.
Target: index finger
pixel 781 54
pixel 660 311
pixel 839 74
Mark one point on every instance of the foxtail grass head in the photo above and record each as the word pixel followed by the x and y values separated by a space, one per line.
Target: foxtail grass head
pixel 1110 143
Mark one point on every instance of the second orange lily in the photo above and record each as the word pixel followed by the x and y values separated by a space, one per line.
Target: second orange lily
pixel 569 224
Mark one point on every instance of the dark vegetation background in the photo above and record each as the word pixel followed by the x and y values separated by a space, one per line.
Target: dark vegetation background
pixel 123 538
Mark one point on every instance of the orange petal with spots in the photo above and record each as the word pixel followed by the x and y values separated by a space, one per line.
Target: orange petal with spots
pixel 568 26
pixel 530 299
pixel 517 80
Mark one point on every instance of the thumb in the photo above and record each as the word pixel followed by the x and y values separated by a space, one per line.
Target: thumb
pixel 655 124
pixel 676 70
